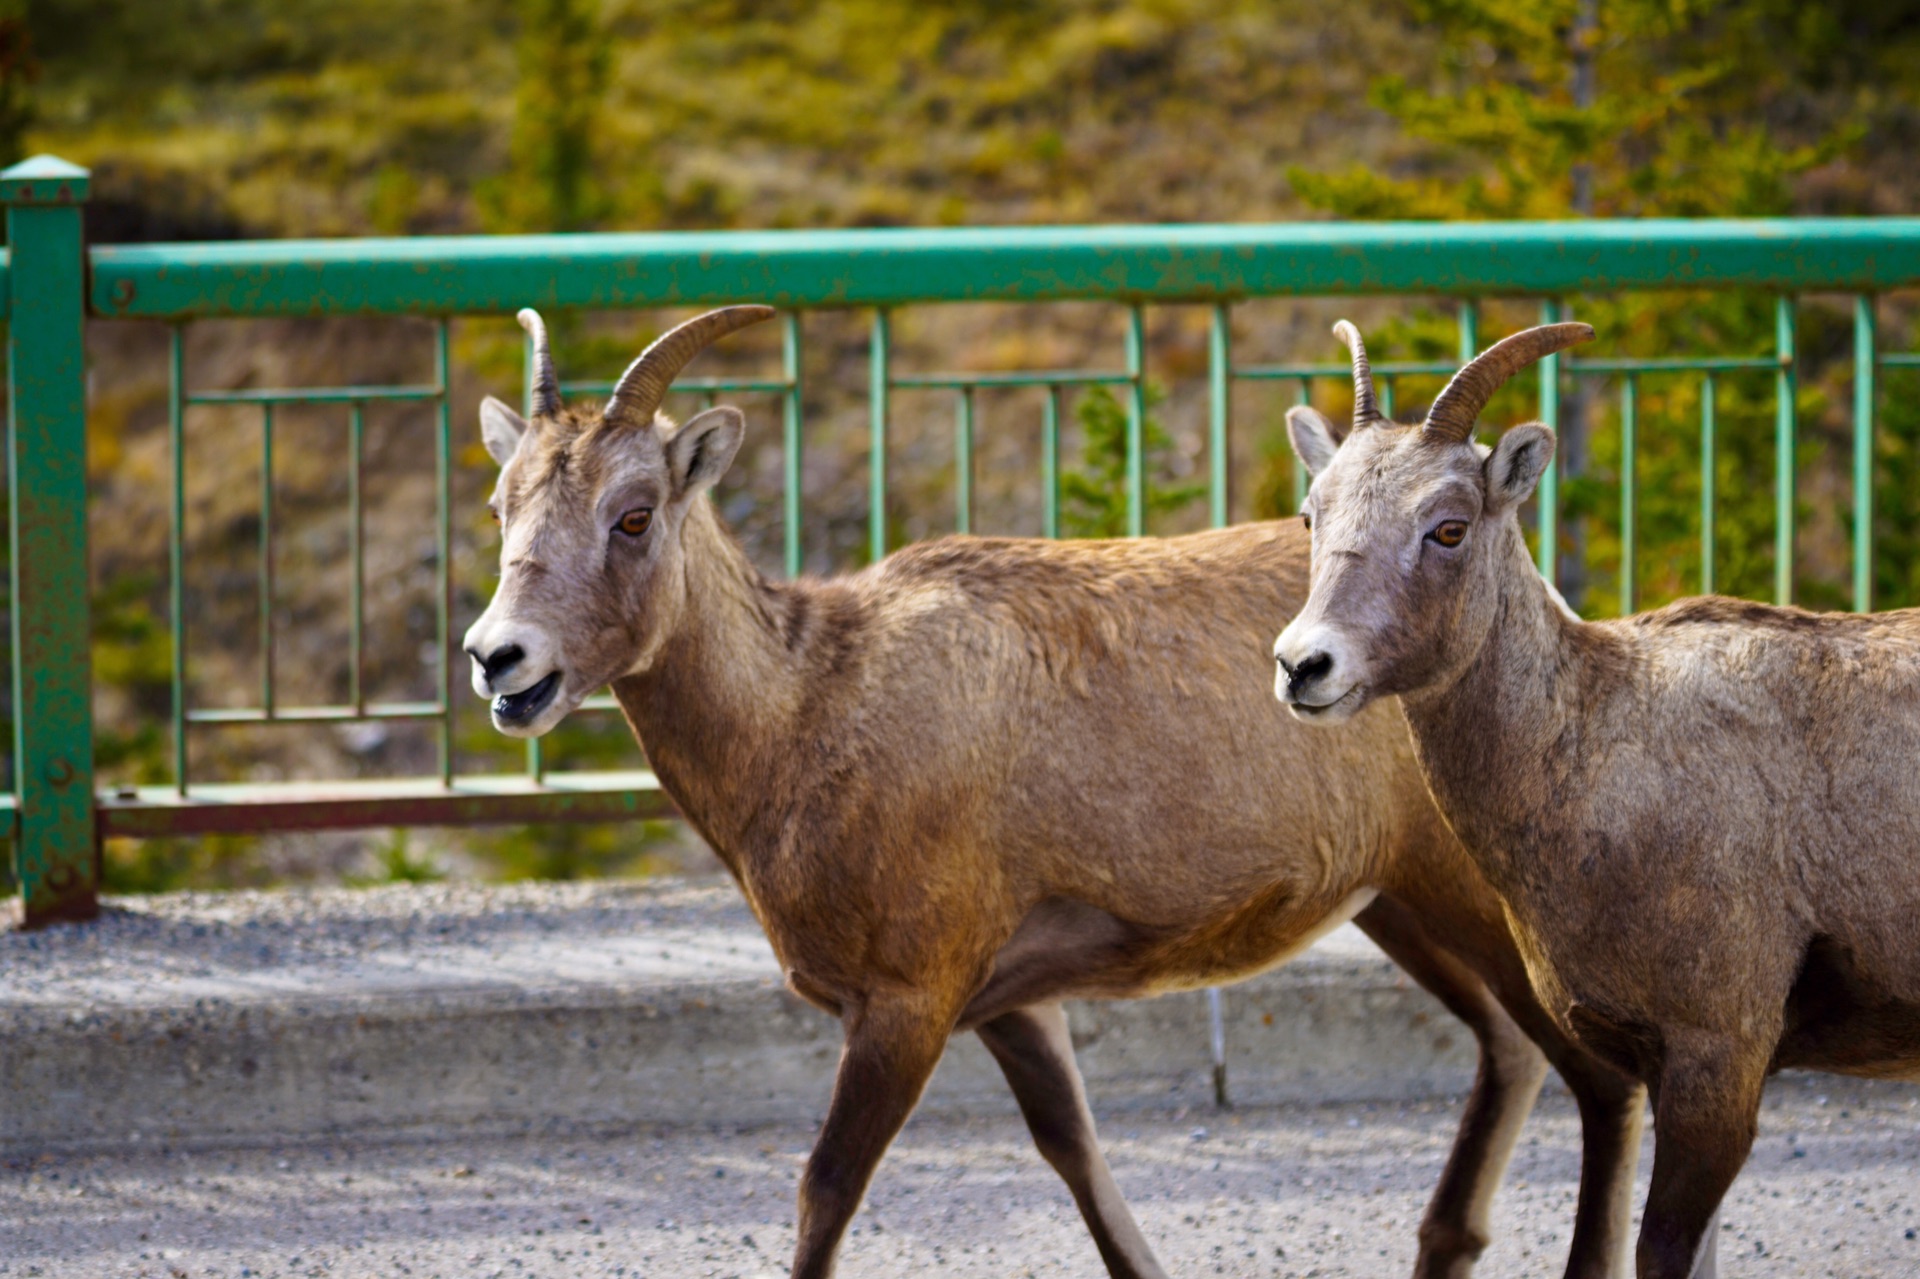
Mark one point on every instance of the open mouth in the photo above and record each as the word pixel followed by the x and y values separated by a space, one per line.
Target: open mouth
pixel 1309 709
pixel 528 702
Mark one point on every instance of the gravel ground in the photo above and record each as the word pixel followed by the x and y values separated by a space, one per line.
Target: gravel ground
pixel 1831 1190
pixel 174 948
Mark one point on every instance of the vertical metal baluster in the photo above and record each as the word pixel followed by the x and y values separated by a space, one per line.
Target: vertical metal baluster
pixel 536 753
pixel 1708 476
pixel 709 398
pixel 443 475
pixel 1303 395
pixel 878 384
pixel 1548 494
pixel 963 462
pixel 1386 395
pixel 1784 441
pixel 1629 449
pixel 266 559
pixel 1469 330
pixel 1220 412
pixel 356 538
pixel 1219 404
pixel 1217 1042
pixel 176 548
pixel 790 441
pixel 1050 462
pixel 1865 365
pixel 1136 422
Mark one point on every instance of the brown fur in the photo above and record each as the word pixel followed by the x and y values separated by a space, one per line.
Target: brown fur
pixel 1704 819
pixel 986 775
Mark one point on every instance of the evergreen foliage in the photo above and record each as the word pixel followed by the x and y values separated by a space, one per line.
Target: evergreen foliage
pixel 1093 497
pixel 552 182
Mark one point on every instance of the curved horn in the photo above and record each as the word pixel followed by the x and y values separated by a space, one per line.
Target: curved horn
pixel 546 383
pixel 1458 408
pixel 1366 409
pixel 644 385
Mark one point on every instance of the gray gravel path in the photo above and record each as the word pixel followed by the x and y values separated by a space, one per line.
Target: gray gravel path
pixel 1832 1190
pixel 414 940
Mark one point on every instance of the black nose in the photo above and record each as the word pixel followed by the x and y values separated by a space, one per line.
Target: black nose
pixel 1298 677
pixel 498 662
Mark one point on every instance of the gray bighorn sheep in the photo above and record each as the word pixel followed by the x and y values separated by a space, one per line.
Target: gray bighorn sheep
pixel 1704 820
pixel 986 775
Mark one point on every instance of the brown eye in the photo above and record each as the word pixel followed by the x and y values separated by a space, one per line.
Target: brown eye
pixel 635 522
pixel 493 515
pixel 1306 521
pixel 1451 533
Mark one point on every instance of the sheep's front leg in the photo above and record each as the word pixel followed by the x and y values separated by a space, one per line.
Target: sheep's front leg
pixel 892 1045
pixel 1456 1227
pixel 1611 1114
pixel 1706 1110
pixel 1036 1054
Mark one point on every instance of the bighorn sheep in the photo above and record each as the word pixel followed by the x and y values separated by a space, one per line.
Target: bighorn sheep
pixel 1704 820
pixel 985 775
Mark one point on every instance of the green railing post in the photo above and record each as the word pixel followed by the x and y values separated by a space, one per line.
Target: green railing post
pixel 1866 357
pixel 1303 394
pixel 1709 460
pixel 1629 507
pixel 1136 422
pixel 1469 330
pixel 55 856
pixel 1050 462
pixel 963 462
pixel 1547 496
pixel 1219 412
pixel 1785 444
pixel 879 381
pixel 790 460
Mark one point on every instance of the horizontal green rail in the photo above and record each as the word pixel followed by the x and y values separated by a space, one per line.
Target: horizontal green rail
pixel 149 812
pixel 458 274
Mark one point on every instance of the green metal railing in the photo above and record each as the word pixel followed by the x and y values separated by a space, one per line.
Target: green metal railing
pixel 50 283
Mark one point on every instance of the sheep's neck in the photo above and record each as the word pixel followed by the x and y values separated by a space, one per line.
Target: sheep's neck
pixel 715 711
pixel 1501 745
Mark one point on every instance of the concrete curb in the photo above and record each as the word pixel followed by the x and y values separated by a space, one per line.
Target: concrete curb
pixel 251 1018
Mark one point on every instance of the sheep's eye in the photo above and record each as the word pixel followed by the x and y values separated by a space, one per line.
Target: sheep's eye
pixel 493 515
pixel 1450 533
pixel 1306 521
pixel 635 522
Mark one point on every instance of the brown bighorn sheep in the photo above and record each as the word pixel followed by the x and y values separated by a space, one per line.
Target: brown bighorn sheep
pixel 1704 820
pixel 988 774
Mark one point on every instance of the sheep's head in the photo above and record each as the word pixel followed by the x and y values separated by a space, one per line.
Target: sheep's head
pixel 1412 527
pixel 590 505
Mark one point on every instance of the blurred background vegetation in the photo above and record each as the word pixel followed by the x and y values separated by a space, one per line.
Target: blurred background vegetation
pixel 218 119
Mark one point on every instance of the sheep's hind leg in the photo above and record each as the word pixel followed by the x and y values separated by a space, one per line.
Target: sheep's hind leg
pixel 1036 1054
pixel 892 1046
pixel 1456 1227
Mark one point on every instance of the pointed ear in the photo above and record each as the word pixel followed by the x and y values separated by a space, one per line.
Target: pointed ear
pixel 1315 440
pixel 702 449
pixel 1516 465
pixel 500 430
